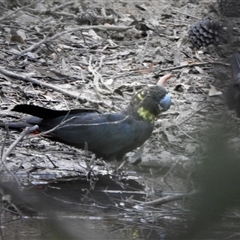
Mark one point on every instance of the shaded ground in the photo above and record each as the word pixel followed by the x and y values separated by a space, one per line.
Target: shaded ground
pixel 102 69
pixel 100 66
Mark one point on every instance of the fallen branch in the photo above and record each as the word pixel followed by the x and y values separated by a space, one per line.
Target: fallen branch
pixel 168 199
pixel 194 64
pixel 5 154
pixel 98 77
pixel 44 84
pixel 94 27
pixel 20 9
pixel 55 128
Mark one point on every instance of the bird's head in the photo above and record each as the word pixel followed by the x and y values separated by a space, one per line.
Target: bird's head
pixel 149 102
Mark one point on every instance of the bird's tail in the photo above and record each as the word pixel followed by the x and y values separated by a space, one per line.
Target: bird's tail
pixel 21 124
pixel 46 113
pixel 37 111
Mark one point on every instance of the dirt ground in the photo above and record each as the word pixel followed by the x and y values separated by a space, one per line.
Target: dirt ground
pixel 100 64
pixel 96 54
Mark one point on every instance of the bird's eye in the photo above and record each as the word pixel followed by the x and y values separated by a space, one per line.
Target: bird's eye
pixel 155 97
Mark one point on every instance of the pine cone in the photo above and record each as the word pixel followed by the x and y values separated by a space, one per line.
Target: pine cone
pixel 229 8
pixel 205 32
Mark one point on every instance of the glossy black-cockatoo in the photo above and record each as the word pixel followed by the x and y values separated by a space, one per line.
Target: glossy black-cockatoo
pixel 233 92
pixel 108 135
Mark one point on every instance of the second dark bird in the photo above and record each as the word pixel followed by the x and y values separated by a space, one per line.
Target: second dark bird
pixel 233 93
pixel 108 135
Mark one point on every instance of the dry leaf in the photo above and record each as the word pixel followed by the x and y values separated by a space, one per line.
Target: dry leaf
pixel 146 70
pixel 213 91
pixel 17 36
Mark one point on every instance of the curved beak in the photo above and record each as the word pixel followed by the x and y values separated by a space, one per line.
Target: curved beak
pixel 165 103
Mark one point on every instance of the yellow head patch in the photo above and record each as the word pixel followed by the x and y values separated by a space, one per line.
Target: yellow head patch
pixel 140 95
pixel 145 114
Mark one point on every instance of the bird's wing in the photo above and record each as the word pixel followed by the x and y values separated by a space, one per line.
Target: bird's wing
pixel 106 133
pixel 46 113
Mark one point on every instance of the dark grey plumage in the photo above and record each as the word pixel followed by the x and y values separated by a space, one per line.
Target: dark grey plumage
pixel 108 135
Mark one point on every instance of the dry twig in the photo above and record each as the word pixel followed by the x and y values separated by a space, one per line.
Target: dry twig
pixel 194 64
pixel 20 9
pixel 43 84
pixel 168 199
pixel 97 76
pixel 5 154
pixel 95 27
